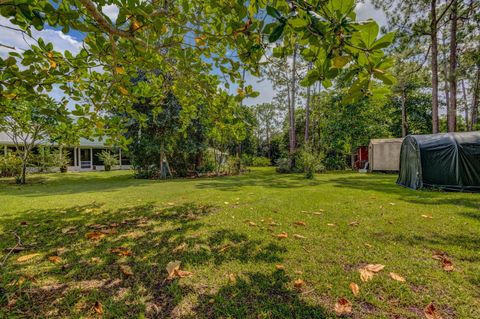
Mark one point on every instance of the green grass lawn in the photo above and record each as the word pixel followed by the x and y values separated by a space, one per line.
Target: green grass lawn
pixel 223 230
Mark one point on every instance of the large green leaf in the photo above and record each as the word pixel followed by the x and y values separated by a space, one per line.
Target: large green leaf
pixel 276 33
pixel 368 33
pixel 384 41
pixel 342 6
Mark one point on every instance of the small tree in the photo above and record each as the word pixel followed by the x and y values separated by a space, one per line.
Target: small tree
pixel 27 122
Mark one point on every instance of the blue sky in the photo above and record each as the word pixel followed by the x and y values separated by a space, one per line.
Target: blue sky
pixel 73 42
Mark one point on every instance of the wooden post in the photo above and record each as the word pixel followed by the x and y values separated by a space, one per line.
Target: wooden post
pixel 5 150
pixel 91 158
pixel 75 156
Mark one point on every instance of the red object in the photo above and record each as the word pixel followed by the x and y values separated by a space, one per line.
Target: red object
pixel 361 158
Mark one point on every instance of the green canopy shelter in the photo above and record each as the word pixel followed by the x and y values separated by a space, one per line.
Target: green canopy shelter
pixel 449 161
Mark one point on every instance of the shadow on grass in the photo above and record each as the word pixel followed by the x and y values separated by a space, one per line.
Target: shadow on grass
pixel 144 238
pixel 258 295
pixel 387 185
pixel 260 178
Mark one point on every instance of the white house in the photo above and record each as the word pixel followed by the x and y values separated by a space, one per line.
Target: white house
pixel 83 157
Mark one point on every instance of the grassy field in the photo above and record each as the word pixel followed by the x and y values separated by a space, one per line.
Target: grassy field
pixel 97 244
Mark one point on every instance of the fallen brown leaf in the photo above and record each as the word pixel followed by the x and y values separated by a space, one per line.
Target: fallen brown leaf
pixel 439 255
pixel 180 247
pixel 300 223
pixel 396 277
pixel 171 267
pixel 95 235
pixel 447 265
pixel 109 231
pixel 343 307
pixel 279 267
pixel 126 270
pixel 431 312
pixel 374 267
pixel 282 235
pixel 427 216
pixel 355 289
pixel 55 259
pixel 299 236
pixel 224 247
pixel 298 283
pixel 232 278
pixel 98 307
pixel 252 224
pixel 354 223
pixel 68 230
pixel 365 275
pixel 331 225
pixel 24 258
pixel 183 273
pixel 121 251
pixel 173 270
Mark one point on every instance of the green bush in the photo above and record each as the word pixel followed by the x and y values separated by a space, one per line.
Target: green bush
pixel 247 160
pixel 108 160
pixel 208 162
pixel 260 161
pixel 10 165
pixel 283 165
pixel 311 162
pixel 232 166
pixel 48 158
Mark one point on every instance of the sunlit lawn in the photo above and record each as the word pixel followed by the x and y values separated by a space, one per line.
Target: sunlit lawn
pixel 223 230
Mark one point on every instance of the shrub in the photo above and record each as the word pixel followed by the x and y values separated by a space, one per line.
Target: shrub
pixel 283 165
pixel 108 160
pixel 45 159
pixel 208 162
pixel 311 162
pixel 260 161
pixel 62 161
pixel 48 158
pixel 233 165
pixel 247 160
pixel 10 166
pixel 335 161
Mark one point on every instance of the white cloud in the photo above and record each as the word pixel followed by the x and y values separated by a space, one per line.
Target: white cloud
pixel 20 42
pixel 111 11
pixel 366 10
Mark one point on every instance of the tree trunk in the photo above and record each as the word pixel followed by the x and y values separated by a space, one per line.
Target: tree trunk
pixel 404 114
pixel 269 146
pixel 23 177
pixel 475 100
pixel 445 70
pixel 452 79
pixel 307 110
pixel 433 35
pixel 465 102
pixel 293 139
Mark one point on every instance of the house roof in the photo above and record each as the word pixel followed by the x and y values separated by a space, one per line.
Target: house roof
pixel 94 143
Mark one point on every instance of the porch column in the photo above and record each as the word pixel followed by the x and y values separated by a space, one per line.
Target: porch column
pixel 5 148
pixel 91 158
pixel 75 156
pixel 120 157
